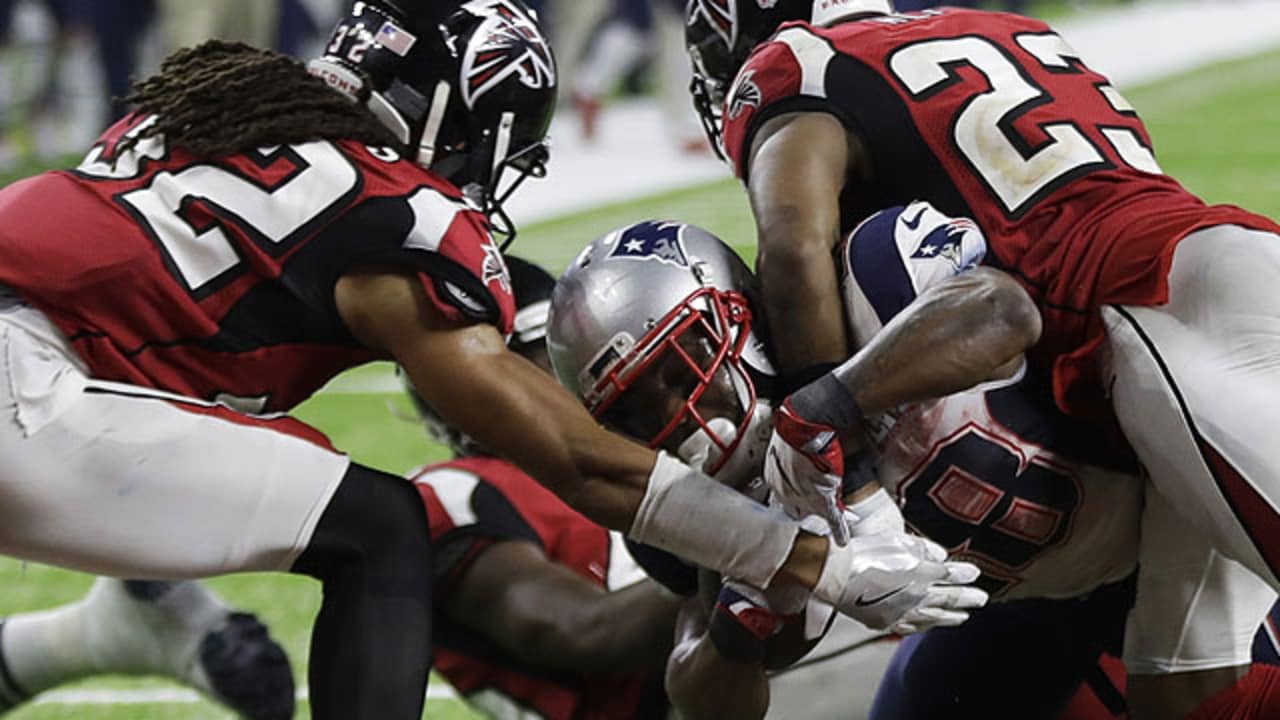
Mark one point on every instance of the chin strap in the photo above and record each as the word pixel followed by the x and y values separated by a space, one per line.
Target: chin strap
pixel 431 129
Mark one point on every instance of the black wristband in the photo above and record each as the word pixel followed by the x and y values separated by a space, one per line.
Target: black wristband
pixel 828 402
pixel 736 643
pixel 860 470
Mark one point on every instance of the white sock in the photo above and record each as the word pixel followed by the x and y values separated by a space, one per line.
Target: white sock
pixel 111 631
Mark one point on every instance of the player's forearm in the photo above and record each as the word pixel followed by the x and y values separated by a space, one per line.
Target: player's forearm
pixel 802 302
pixel 741 690
pixel 626 487
pixel 626 630
pixel 954 336
pixel 798 166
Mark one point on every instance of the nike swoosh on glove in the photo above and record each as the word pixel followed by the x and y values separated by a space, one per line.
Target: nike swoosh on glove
pixel 898 581
pixel 804 466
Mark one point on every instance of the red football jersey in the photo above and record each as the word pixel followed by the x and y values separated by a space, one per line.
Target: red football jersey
pixel 475 502
pixel 214 278
pixel 993 116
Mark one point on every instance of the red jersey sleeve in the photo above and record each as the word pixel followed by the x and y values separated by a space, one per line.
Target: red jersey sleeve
pixel 448 241
pixel 468 510
pixel 772 81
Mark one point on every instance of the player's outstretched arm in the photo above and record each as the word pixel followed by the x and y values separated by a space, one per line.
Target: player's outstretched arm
pixel 969 329
pixel 798 167
pixel 545 614
pixel 508 405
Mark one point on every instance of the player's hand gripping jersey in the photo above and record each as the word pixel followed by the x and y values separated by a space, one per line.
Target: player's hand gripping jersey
pixel 473 503
pixel 993 117
pixel 215 279
pixel 997 474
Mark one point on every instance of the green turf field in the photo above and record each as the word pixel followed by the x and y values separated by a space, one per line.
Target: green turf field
pixel 1214 129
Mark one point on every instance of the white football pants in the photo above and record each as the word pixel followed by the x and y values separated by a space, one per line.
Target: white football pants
pixel 1195 384
pixel 120 480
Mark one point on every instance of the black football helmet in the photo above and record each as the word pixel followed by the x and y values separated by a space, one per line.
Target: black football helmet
pixel 720 35
pixel 532 287
pixel 470 93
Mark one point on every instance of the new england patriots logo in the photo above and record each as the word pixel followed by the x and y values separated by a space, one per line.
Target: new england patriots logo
pixel 507 43
pixel 944 241
pixel 652 241
pixel 746 93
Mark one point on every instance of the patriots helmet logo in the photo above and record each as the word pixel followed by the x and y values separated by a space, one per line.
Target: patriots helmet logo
pixel 945 241
pixel 651 240
pixel 721 15
pixel 507 43
pixel 746 93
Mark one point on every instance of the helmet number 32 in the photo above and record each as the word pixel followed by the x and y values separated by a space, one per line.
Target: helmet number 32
pixel 1016 171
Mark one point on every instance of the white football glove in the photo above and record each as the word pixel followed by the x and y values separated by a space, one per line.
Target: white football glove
pixel 874 514
pixel 804 466
pixel 898 581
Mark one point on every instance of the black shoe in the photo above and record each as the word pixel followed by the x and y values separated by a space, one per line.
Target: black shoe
pixel 248 670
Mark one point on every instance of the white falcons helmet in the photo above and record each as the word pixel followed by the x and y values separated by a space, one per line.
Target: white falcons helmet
pixel 652 328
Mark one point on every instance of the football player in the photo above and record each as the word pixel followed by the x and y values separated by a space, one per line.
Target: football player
pixel 1155 307
pixel 254 228
pixel 654 326
pixel 540 609
pixel 537 608
pixel 176 629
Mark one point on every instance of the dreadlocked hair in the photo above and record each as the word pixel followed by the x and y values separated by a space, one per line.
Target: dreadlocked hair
pixel 221 98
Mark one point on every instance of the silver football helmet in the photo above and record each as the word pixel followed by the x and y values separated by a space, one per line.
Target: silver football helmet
pixel 652 328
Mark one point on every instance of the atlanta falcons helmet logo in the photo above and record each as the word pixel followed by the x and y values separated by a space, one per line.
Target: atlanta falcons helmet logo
pixel 508 43
pixel 721 15
pixel 746 93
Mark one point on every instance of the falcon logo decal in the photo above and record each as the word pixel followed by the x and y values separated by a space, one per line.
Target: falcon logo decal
pixel 945 241
pixel 652 241
pixel 721 15
pixel 745 94
pixel 506 43
pixel 494 267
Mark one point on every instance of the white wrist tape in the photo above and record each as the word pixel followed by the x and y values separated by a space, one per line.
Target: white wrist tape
pixel 875 513
pixel 706 523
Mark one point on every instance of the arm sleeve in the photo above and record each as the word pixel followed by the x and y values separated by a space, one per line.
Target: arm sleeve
pixel 428 232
